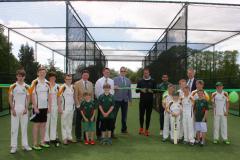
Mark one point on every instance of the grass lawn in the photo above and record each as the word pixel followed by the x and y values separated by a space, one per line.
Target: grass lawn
pixel 131 146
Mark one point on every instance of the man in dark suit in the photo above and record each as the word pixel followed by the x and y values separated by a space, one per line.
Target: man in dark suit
pixel 191 79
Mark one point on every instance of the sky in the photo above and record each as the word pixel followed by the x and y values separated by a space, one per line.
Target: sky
pixel 117 14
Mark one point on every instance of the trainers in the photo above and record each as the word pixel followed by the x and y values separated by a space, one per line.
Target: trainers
pixel 65 142
pixel 202 143
pixel 141 131
pixel 44 145
pixel 226 142
pixel 37 148
pixel 215 141
pixel 13 150
pixel 146 133
pixel 92 142
pixel 109 141
pixel 161 133
pixel 191 144
pixel 86 142
pixel 27 148
pixel 164 139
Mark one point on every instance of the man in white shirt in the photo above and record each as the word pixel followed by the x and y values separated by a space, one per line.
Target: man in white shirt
pixel 99 90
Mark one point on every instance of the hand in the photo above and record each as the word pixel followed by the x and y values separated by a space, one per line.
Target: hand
pixel 78 106
pixel 60 110
pixel 150 91
pixel 36 110
pixel 49 109
pixel 225 113
pixel 116 87
pixel 25 111
pixel 92 119
pixel 204 120
pixel 86 120
pixel 143 90
pixel 14 113
pixel 105 115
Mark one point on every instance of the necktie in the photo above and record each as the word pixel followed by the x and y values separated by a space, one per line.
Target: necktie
pixel 106 80
pixel 85 85
pixel 123 81
pixel 189 84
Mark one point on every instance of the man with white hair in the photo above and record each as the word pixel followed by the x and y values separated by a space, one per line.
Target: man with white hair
pixel 191 82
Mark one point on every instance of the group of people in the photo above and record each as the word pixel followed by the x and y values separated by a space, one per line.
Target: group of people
pixel 185 110
pixel 96 108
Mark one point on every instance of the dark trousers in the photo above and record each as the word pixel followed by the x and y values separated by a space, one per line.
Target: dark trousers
pixel 78 125
pixel 98 124
pixel 161 112
pixel 145 107
pixel 124 109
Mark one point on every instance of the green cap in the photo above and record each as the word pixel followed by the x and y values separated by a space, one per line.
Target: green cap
pixel 219 84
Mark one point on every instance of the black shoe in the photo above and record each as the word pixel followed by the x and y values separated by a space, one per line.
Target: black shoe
pixel 113 136
pixel 47 142
pixel 79 140
pixel 125 132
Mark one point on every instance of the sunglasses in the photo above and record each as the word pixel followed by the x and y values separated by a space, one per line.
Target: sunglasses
pixel 122 71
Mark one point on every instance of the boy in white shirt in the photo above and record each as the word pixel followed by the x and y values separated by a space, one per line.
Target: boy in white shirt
pixel 51 126
pixel 41 103
pixel 175 111
pixel 187 104
pixel 220 101
pixel 66 108
pixel 167 99
pixel 19 101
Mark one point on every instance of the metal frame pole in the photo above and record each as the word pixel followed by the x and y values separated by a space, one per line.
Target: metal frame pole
pixel 67 31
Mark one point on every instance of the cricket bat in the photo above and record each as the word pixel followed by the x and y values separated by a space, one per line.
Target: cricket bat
pixel 175 134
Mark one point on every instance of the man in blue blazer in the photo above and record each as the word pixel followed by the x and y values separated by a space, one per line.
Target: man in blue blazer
pixel 122 96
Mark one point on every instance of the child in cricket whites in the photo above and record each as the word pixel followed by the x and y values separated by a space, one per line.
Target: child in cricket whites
pixel 66 108
pixel 182 83
pixel 187 105
pixel 201 113
pixel 175 111
pixel 52 117
pixel 19 101
pixel 106 106
pixel 167 99
pixel 220 103
pixel 88 111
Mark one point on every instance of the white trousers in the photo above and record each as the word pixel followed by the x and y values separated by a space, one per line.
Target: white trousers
pixel 181 130
pixel 15 121
pixel 172 119
pixel 66 124
pixel 166 125
pixel 220 124
pixel 188 128
pixel 51 125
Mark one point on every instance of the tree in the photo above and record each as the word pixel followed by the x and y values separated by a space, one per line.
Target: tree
pixel 26 59
pixel 8 62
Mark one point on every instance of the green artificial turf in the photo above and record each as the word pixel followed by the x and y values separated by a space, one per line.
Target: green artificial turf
pixel 131 146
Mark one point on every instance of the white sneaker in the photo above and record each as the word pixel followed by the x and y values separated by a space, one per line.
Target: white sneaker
pixel 13 150
pixel 161 133
pixel 27 148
